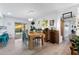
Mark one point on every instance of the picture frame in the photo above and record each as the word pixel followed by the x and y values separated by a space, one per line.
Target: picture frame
pixel 66 25
pixel 51 22
pixel 78 22
pixel 67 15
pixel 74 26
pixel 3 27
pixel 77 25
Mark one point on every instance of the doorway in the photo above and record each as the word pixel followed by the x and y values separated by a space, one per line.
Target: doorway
pixel 18 34
pixel 67 28
pixel 18 30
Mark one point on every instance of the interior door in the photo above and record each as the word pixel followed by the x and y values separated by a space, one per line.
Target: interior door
pixel 67 30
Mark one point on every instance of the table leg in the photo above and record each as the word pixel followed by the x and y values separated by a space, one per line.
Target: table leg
pixel 31 44
pixel 42 41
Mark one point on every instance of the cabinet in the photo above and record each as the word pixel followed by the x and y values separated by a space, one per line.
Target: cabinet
pixel 51 36
pixel 54 36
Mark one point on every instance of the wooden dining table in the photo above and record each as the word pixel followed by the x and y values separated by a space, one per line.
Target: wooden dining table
pixel 32 36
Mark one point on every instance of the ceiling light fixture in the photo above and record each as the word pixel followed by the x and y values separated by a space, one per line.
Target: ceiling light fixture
pixel 9 13
pixel 30 19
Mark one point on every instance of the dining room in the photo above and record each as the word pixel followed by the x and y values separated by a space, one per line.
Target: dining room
pixel 38 34
pixel 33 36
pixel 32 30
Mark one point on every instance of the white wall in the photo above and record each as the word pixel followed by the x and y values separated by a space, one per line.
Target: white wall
pixel 10 24
pixel 57 17
pixel 77 22
pixel 70 21
pixel 51 16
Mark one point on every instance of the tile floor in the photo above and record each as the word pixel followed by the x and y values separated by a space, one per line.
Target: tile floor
pixel 48 49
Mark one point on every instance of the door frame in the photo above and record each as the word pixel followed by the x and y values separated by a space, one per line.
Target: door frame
pixel 62 28
pixel 19 23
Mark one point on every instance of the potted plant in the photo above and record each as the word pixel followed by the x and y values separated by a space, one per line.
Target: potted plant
pixel 76 42
pixel 32 26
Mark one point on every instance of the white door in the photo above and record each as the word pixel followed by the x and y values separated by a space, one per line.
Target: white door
pixel 67 30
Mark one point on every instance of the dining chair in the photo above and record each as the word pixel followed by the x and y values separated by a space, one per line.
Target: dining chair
pixel 25 37
pixel 37 40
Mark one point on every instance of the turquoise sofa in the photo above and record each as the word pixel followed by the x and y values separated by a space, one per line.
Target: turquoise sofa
pixel 4 39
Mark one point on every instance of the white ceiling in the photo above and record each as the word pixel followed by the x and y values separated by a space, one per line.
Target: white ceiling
pixel 27 10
